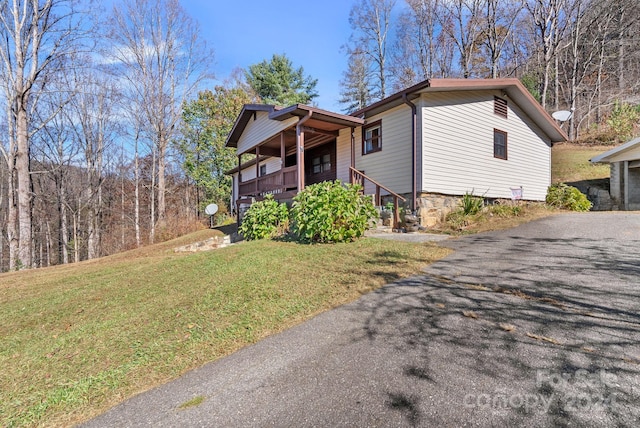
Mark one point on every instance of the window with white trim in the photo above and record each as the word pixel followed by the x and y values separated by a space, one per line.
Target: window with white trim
pixel 372 137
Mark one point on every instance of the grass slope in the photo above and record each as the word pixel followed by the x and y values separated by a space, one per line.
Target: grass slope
pixel 570 163
pixel 77 339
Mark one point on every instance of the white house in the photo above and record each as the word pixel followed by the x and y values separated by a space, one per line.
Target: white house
pixel 438 139
pixel 624 181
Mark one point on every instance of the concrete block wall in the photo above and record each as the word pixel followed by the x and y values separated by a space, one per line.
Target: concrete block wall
pixel 634 189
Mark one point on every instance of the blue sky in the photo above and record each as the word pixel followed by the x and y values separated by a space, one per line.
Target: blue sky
pixel 310 33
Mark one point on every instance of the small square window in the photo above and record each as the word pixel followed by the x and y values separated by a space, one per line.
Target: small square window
pixel 263 170
pixel 499 144
pixel 372 138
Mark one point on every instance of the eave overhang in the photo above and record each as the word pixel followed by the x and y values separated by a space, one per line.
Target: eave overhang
pixel 617 154
pixel 512 88
pixel 321 120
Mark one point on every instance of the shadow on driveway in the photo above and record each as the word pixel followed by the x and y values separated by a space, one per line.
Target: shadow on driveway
pixel 534 326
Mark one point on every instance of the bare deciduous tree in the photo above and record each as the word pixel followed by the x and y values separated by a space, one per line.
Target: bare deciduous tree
pixel 415 49
pixel 35 37
pixel 499 17
pixel 156 48
pixel 371 22
pixel 466 31
pixel 548 23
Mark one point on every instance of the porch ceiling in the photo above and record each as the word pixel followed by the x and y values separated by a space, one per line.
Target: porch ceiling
pixel 271 146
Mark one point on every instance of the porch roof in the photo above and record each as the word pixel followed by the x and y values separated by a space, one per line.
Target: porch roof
pixel 321 122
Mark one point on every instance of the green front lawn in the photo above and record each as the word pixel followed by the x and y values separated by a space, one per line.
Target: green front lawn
pixel 77 339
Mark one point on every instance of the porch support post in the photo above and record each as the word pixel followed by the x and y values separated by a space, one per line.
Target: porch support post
pixel 625 165
pixel 237 197
pixel 283 155
pixel 257 169
pixel 300 149
pixel 353 154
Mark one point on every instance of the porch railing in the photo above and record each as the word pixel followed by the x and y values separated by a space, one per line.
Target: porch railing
pixel 360 178
pixel 276 182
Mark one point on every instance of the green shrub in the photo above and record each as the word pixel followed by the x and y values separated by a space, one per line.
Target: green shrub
pixel 265 219
pixel 505 211
pixel 331 212
pixel 567 197
pixel 471 204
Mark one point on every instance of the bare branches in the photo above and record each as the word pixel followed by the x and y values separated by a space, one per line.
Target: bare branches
pixel 371 22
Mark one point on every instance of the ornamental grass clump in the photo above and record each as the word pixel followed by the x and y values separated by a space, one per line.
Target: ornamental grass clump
pixel 265 219
pixel 331 212
pixel 470 204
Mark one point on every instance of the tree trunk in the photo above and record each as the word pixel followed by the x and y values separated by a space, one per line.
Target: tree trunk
pixel 621 62
pixel 162 158
pixel 24 189
pixel 152 198
pixel 12 222
pixel 92 227
pixel 122 217
pixel 137 196
pixel 49 244
pixel 76 238
pixel 64 225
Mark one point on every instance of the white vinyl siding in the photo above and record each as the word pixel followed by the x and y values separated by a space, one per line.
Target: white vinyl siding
pixel 261 129
pixel 457 153
pixel 272 164
pixel 390 166
pixel 343 155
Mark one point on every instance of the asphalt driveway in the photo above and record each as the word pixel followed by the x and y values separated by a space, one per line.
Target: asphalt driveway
pixel 533 326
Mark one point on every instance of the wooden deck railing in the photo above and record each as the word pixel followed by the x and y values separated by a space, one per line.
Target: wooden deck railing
pixel 360 178
pixel 276 182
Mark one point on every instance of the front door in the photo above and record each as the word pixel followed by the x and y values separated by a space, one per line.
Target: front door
pixel 320 163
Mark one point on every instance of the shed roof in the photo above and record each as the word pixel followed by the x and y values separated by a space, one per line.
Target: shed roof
pixel 628 151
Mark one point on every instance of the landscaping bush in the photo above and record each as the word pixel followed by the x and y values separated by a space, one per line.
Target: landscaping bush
pixel 331 212
pixel 265 219
pixel 567 197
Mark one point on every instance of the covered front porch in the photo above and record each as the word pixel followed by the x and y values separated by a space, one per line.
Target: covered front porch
pixel 304 152
pixel 281 150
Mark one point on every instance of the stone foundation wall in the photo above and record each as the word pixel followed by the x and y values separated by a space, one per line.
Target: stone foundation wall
pixel 433 208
